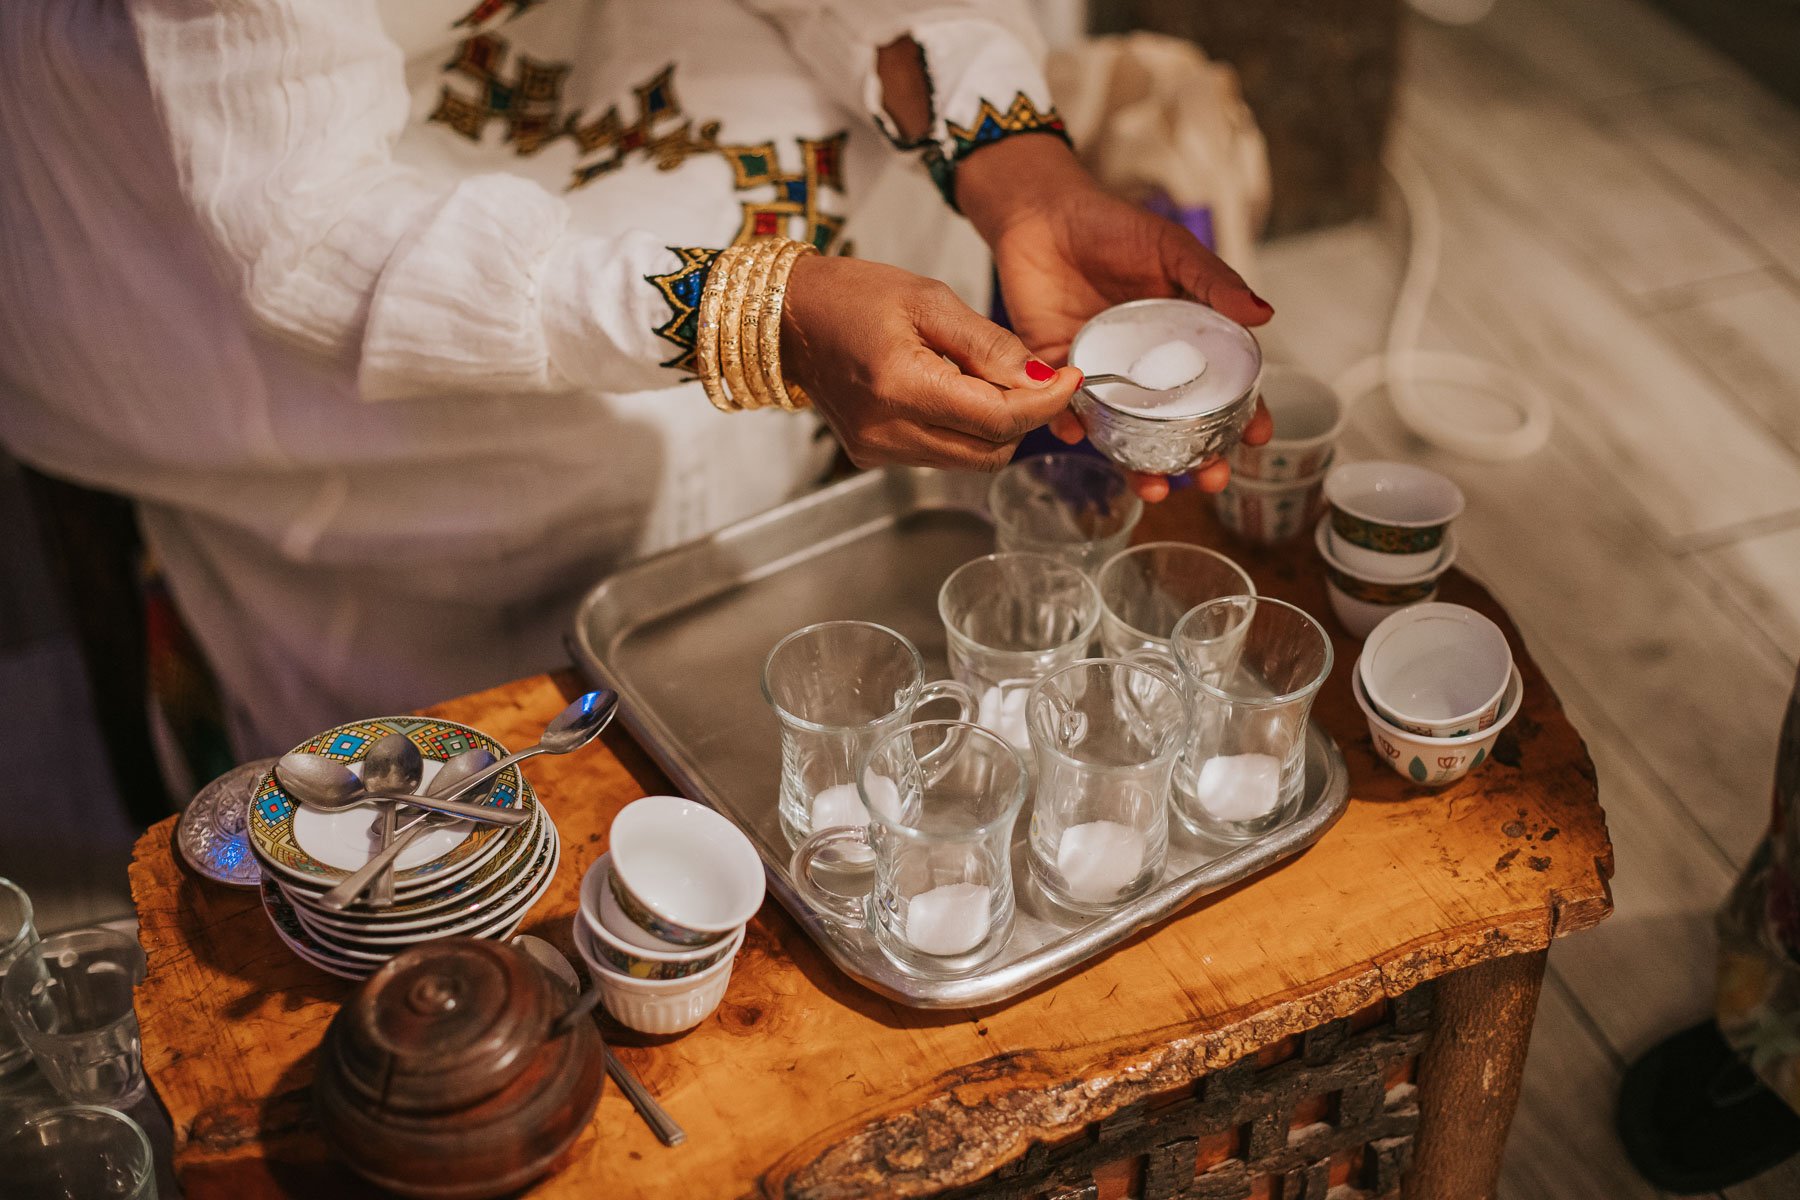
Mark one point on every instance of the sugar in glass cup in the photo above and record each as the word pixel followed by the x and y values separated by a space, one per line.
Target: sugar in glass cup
pixel 17 935
pixel 1075 507
pixel 837 688
pixel 1145 590
pixel 1105 734
pixel 70 996
pixel 80 1151
pixel 941 902
pixel 1251 667
pixel 1009 620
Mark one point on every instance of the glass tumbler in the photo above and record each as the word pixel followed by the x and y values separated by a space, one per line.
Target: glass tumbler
pixel 941 902
pixel 1251 667
pixel 90 1153
pixel 1076 507
pixel 17 935
pixel 1106 735
pixel 70 998
pixel 1145 590
pixel 837 688
pixel 1009 620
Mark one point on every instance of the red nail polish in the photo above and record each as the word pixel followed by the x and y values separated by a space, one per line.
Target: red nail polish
pixel 1261 303
pixel 1039 372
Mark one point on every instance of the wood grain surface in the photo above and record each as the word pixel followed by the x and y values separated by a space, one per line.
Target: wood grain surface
pixel 805 1084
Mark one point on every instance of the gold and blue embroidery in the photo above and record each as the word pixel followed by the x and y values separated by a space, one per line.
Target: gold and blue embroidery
pixel 661 131
pixel 796 211
pixel 990 125
pixel 682 288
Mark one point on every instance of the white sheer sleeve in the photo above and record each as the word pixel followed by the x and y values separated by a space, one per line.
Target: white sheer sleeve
pixel 283 115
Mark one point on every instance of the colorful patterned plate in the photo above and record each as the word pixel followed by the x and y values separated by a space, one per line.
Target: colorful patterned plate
pixel 322 849
pixel 302 943
pixel 473 891
pixel 545 854
pixel 504 916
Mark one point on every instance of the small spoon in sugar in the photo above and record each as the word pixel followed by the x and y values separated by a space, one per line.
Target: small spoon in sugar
pixel 1162 368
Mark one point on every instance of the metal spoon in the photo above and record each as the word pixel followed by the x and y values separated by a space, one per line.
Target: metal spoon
pixel 455 778
pixel 394 765
pixel 1121 377
pixel 329 786
pixel 551 959
pixel 571 729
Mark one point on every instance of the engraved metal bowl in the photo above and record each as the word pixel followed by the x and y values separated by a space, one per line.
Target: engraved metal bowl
pixel 1163 445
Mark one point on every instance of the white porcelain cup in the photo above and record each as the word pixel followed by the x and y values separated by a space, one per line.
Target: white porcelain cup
pixel 1362 603
pixel 1388 519
pixel 658 1006
pixel 1309 418
pixel 1438 670
pixel 1434 762
pixel 684 874
pixel 1269 511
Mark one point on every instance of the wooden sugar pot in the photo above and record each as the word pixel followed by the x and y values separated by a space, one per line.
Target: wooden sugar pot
pixel 446 1074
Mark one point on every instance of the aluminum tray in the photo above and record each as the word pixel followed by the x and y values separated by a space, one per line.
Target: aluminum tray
pixel 682 637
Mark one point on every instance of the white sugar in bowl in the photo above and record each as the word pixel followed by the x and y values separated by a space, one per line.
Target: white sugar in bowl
pixel 1169 431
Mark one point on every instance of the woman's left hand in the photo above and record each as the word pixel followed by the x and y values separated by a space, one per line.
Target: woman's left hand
pixel 1065 249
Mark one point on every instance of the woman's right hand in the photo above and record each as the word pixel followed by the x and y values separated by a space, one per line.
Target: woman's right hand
pixel 904 372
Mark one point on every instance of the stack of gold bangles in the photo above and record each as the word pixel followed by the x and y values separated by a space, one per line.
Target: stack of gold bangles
pixel 738 351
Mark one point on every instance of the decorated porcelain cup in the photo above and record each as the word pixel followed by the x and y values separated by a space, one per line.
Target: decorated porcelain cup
pixel 682 872
pixel 1437 670
pixel 1362 603
pixel 1435 762
pixel 1269 511
pixel 626 954
pixel 1309 418
pixel 1388 519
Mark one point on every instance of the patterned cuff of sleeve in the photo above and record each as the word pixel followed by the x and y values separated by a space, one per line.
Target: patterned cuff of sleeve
pixel 991 124
pixel 683 288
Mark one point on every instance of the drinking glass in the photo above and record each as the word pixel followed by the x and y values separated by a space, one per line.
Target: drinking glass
pixel 1011 619
pixel 1251 667
pixel 837 687
pixel 1145 590
pixel 17 935
pixel 70 998
pixel 77 1153
pixel 1106 734
pixel 1076 507
pixel 941 902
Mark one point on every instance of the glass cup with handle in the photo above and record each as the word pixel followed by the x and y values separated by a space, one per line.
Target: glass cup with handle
pixel 79 1151
pixel 69 996
pixel 17 935
pixel 1009 620
pixel 1076 507
pixel 1106 734
pixel 943 797
pixel 837 687
pixel 1147 589
pixel 1252 667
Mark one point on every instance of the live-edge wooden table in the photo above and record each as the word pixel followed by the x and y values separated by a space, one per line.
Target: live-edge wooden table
pixel 805 1084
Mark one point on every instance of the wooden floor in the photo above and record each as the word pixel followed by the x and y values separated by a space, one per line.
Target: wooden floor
pixel 1622 224
pixel 1622 213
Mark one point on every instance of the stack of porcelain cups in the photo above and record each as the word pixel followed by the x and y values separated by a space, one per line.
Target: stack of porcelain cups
pixel 1275 488
pixel 1387 539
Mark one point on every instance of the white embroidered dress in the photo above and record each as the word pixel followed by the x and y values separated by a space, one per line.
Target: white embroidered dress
pixel 360 300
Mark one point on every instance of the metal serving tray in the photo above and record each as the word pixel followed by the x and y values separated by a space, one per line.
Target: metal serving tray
pixel 682 638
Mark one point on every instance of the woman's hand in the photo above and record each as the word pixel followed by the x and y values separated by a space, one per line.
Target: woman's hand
pixel 1065 249
pixel 869 344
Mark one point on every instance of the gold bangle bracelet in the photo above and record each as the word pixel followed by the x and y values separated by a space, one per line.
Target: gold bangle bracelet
pixel 706 341
pixel 772 302
pixel 731 329
pixel 755 373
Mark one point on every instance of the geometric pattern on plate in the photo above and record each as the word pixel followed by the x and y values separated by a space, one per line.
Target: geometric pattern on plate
pixel 272 809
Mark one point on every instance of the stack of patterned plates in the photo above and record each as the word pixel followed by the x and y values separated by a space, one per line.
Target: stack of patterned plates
pixel 463 879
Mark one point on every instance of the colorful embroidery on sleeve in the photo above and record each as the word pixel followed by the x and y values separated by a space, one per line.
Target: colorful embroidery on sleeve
pixel 990 125
pixel 682 288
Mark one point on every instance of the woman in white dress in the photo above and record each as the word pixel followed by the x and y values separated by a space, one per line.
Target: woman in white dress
pixel 382 310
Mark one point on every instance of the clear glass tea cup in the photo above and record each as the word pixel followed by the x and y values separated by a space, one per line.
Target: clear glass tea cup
pixel 80 1151
pixel 70 998
pixel 1147 589
pixel 1251 667
pixel 1106 734
pixel 17 935
pixel 941 899
pixel 1076 507
pixel 1009 620
pixel 837 688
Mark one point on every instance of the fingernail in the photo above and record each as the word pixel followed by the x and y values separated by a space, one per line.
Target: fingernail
pixel 1039 372
pixel 1261 303
pixel 1080 378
